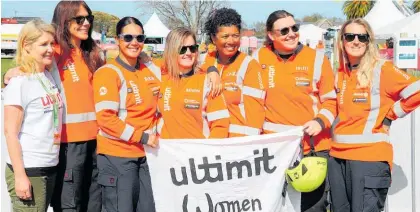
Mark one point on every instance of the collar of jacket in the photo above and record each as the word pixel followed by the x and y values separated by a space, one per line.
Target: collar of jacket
pixel 231 59
pixel 186 75
pixel 127 66
pixel 294 54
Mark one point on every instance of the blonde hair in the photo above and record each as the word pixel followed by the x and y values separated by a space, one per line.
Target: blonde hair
pixel 29 34
pixel 174 42
pixel 368 60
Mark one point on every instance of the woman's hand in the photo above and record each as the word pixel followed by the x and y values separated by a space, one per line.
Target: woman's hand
pixel 23 187
pixel 153 141
pixel 215 84
pixel 312 128
pixel 13 72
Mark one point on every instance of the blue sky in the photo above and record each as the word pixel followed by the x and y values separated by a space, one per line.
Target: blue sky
pixel 248 9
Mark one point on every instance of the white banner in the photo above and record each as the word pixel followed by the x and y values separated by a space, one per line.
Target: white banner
pixel 224 175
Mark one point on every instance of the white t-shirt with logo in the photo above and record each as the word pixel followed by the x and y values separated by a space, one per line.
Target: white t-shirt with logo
pixel 36 135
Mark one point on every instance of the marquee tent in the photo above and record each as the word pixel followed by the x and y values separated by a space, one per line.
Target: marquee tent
pixel 310 33
pixel 409 25
pixel 156 32
pixel 383 13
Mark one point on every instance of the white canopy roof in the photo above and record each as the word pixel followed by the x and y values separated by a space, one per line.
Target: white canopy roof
pixel 155 28
pixel 383 13
pixel 410 25
pixel 311 33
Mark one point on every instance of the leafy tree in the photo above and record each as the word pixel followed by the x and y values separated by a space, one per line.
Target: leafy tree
pixel 105 21
pixel 415 6
pixel 357 8
pixel 259 28
pixel 313 18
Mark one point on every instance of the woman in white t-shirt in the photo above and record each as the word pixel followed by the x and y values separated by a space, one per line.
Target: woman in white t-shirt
pixel 32 121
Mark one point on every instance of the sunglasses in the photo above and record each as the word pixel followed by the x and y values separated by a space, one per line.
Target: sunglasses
pixel 349 37
pixel 193 49
pixel 286 30
pixel 81 19
pixel 128 38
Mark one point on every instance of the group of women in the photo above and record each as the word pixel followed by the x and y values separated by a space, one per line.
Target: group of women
pixel 75 133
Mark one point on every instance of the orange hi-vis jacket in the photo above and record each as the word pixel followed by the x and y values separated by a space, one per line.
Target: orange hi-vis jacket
pixel 187 110
pixel 126 106
pixel 299 90
pixel 244 93
pixel 359 134
pixel 74 80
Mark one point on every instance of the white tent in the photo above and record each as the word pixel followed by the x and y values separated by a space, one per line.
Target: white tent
pixel 96 35
pixel 154 28
pixel 383 13
pixel 409 25
pixel 310 33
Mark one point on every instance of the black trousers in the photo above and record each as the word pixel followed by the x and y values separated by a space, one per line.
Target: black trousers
pixel 126 184
pixel 358 186
pixel 76 188
pixel 317 201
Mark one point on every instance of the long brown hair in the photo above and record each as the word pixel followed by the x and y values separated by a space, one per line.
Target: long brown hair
pixel 64 11
pixel 369 59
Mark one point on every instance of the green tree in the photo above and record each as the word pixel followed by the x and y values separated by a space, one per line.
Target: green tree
pixel 105 21
pixel 313 18
pixel 357 8
pixel 415 6
pixel 259 28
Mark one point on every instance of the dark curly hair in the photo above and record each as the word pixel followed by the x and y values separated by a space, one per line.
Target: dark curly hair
pixel 220 18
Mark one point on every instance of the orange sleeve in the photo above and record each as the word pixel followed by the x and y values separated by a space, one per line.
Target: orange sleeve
pixel 207 62
pixel 106 84
pixel 254 96
pixel 403 88
pixel 327 95
pixel 218 117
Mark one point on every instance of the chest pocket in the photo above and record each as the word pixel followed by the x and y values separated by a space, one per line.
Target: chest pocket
pixel 232 90
pixel 360 100
pixel 302 81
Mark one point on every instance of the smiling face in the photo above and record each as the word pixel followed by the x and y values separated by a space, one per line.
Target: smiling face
pixel 187 60
pixel 227 40
pixel 130 49
pixel 354 49
pixel 284 43
pixel 42 49
pixel 79 32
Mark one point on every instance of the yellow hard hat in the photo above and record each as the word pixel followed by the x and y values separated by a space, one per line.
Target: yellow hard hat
pixel 308 174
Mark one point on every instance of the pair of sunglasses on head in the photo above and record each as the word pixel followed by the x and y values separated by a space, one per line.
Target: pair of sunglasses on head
pixel 349 37
pixel 81 19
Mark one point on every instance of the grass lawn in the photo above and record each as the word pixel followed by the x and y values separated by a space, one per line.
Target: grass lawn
pixel 6 64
